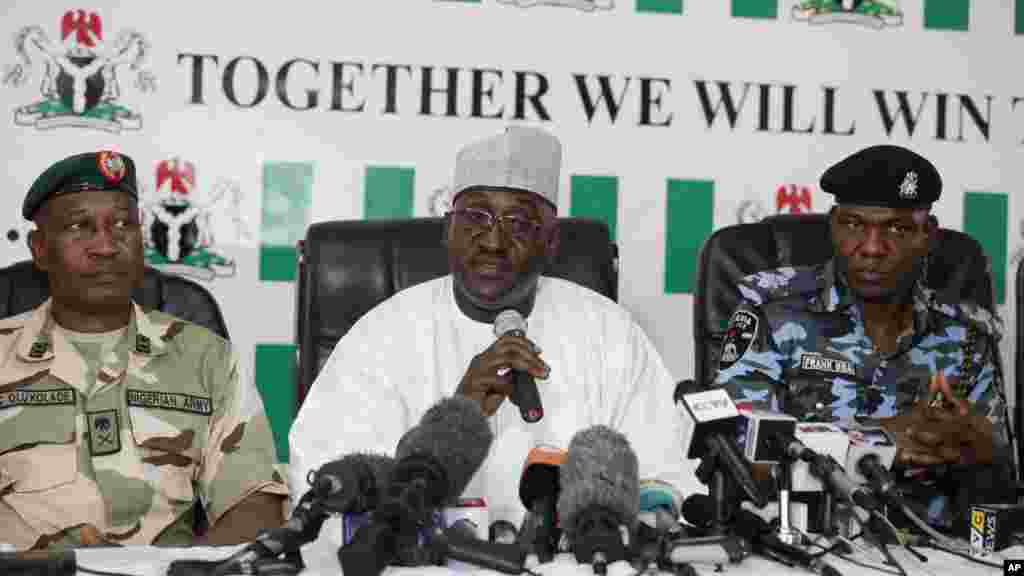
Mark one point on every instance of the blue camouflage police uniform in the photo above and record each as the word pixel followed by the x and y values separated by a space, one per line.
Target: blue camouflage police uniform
pixel 797 344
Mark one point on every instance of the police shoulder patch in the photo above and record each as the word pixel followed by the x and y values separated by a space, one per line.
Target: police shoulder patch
pixel 739 336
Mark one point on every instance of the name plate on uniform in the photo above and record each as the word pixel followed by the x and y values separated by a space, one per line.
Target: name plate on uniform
pixel 824 365
pixel 169 401
pixel 54 397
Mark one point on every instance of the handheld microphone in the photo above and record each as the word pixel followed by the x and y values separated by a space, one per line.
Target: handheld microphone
pixel 539 487
pixel 38 563
pixel 698 510
pixel 600 495
pixel 435 460
pixel 709 426
pixel 524 391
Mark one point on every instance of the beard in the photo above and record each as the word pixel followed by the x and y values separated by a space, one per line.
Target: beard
pixel 519 292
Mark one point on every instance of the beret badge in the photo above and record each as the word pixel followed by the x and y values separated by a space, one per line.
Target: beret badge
pixel 112 166
pixel 908 188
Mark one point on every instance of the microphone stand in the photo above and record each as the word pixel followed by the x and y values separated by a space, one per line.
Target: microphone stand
pixel 723 489
pixel 786 532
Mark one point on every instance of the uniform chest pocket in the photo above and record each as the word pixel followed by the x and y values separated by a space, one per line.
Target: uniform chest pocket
pixel 38 447
pixel 169 443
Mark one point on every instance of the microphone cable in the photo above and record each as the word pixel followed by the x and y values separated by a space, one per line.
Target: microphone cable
pixel 848 543
pixel 938 541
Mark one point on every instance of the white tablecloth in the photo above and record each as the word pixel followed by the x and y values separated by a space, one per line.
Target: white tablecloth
pixel 149 561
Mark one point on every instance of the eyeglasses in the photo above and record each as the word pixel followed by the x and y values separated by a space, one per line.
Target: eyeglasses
pixel 480 221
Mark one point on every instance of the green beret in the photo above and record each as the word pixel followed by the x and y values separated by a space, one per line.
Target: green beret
pixel 885 175
pixel 88 172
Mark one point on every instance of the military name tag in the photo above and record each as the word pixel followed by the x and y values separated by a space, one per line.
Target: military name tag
pixel 813 362
pixel 170 401
pixel 104 432
pixel 55 397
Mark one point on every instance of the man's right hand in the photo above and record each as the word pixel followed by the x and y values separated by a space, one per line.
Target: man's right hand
pixel 488 380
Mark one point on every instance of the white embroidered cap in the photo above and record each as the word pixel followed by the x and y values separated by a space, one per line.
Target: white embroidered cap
pixel 520 158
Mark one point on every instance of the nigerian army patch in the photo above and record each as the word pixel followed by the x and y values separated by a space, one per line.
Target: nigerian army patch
pixel 104 432
pixel 169 401
pixel 738 337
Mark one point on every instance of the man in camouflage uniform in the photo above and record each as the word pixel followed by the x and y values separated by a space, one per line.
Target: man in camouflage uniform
pixel 115 419
pixel 860 338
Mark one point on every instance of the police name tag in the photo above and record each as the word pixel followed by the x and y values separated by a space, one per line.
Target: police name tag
pixel 813 362
pixel 54 397
pixel 169 401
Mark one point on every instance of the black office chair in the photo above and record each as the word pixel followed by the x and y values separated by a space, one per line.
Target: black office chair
pixel 24 287
pixel 348 267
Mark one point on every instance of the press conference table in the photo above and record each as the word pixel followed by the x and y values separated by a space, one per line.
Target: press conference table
pixel 150 561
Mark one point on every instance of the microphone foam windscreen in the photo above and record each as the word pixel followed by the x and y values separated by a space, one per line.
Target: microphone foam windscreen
pixel 600 469
pixel 455 433
pixel 356 481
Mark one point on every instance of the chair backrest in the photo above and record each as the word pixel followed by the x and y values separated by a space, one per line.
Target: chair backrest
pixel 24 287
pixel 958 270
pixel 348 267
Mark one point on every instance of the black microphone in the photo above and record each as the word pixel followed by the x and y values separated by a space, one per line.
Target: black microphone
pixel 459 542
pixel 435 460
pixel 831 474
pixel 600 493
pixel 350 485
pixel 38 563
pixel 539 487
pixel 872 468
pixel 868 459
pixel 698 509
pixel 524 391
pixel 503 532
pixel 710 423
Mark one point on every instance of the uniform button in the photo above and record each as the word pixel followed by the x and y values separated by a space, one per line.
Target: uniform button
pixel 819 406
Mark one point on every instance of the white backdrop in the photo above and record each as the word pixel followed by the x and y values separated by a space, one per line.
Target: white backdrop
pixel 398 155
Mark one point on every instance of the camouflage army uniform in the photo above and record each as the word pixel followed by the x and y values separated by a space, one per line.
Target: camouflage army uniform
pixel 797 344
pixel 125 442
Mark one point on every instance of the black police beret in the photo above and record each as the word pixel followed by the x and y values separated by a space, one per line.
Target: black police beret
pixel 91 171
pixel 884 175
